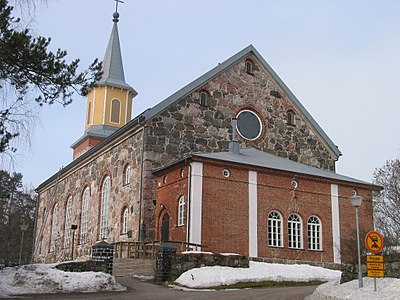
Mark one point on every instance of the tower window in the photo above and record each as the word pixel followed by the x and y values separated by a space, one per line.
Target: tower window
pixel 249 67
pixel 203 99
pixel 125 216
pixel 115 111
pixel 127 174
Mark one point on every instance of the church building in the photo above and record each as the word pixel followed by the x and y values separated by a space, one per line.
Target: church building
pixel 232 161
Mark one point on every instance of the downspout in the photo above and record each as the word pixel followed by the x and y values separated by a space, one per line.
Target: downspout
pixel 141 189
pixel 189 201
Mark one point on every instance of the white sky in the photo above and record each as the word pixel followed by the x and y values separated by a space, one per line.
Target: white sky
pixel 340 58
pixel 39 279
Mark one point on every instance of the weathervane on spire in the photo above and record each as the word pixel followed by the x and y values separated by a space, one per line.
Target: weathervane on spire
pixel 116 14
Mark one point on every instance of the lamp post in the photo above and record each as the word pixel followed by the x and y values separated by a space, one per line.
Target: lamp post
pixel 73 227
pixel 23 229
pixel 356 202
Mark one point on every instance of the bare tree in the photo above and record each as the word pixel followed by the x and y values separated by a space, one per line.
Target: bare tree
pixel 387 205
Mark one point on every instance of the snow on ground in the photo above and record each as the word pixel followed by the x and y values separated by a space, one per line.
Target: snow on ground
pixel 387 289
pixel 38 279
pixel 206 277
pixel 41 279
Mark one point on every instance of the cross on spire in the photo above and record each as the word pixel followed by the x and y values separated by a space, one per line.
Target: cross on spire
pixel 116 4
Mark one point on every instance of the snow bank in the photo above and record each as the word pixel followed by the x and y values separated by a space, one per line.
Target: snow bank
pixel 215 276
pixel 387 289
pixel 42 279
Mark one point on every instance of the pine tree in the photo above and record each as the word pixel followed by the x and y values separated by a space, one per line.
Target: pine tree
pixel 32 74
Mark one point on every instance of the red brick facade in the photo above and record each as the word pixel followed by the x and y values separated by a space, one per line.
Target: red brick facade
pixel 225 209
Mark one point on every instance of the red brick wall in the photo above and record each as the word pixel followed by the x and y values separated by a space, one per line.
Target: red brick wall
pixel 225 210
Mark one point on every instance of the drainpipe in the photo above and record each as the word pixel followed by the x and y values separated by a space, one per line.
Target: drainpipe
pixel 234 145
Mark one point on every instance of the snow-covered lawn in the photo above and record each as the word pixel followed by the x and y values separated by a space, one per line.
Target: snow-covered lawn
pixel 37 279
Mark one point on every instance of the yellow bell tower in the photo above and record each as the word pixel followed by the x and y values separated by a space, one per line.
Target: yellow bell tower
pixel 109 104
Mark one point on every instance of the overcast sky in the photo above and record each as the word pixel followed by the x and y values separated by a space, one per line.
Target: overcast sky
pixel 340 58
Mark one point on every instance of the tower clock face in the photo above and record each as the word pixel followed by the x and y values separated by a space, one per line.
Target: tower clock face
pixel 248 125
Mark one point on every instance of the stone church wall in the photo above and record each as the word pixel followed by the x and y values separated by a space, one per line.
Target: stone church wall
pixel 110 163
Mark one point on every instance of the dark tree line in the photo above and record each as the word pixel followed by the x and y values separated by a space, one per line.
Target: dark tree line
pixel 17 207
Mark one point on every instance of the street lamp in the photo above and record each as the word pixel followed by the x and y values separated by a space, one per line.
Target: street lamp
pixel 356 202
pixel 23 229
pixel 73 227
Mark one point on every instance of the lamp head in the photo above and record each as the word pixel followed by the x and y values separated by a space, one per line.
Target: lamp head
pixel 356 200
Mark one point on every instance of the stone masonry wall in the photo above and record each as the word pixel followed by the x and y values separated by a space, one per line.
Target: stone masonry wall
pixel 111 163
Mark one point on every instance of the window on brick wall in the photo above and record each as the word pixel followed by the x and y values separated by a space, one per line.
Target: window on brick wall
pixel 295 239
pixel 181 211
pixel 275 230
pixel 84 215
pixel 68 222
pixel 54 226
pixel 314 232
pixel 105 198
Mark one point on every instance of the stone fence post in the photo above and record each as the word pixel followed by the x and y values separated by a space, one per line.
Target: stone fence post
pixel 166 254
pixel 103 252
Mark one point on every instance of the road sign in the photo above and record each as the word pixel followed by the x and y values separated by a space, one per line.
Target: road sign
pixel 376 273
pixel 374 242
pixel 375 258
pixel 374 266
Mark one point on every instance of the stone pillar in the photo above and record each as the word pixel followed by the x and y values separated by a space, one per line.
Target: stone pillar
pixel 103 252
pixel 166 254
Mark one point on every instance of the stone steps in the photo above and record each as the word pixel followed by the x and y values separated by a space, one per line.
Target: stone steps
pixel 130 267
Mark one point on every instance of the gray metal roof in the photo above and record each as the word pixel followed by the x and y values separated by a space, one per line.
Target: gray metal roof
pixel 113 70
pixel 254 157
pixel 226 64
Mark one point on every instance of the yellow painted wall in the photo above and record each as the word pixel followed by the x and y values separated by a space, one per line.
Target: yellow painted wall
pixel 100 99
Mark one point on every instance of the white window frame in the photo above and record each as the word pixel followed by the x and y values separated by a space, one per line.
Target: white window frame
pixel 275 229
pixel 105 199
pixel 181 211
pixel 125 218
pixel 85 215
pixel 127 174
pixel 68 222
pixel 54 227
pixel 295 232
pixel 314 231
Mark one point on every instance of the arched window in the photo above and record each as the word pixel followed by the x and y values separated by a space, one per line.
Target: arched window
pixel 290 117
pixel 295 238
pixel 127 174
pixel 249 67
pixel 105 199
pixel 54 226
pixel 314 233
pixel 68 222
pixel 89 113
pixel 275 231
pixel 181 211
pixel 115 110
pixel 125 215
pixel 85 215
pixel 203 98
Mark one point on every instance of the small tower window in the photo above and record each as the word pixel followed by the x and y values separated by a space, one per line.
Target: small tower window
pixel 203 98
pixel 249 67
pixel 290 117
pixel 115 111
pixel 127 174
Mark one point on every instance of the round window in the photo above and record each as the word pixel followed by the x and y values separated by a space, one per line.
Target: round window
pixel 248 125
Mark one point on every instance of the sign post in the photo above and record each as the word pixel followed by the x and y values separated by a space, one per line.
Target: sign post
pixel 375 266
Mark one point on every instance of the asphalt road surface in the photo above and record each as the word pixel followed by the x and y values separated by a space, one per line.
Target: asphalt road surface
pixel 141 290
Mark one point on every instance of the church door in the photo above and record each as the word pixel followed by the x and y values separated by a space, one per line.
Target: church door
pixel 165 228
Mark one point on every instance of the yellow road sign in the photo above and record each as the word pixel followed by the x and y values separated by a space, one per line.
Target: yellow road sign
pixel 376 273
pixel 375 258
pixel 375 266
pixel 374 242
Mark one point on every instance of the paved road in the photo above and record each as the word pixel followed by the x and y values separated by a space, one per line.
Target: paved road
pixel 140 290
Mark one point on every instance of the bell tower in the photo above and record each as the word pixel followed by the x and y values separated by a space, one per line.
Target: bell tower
pixel 109 103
